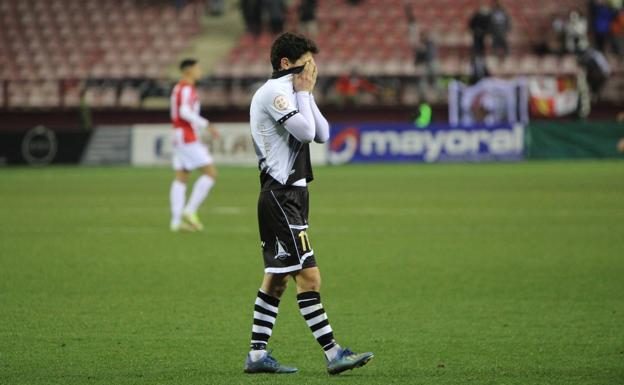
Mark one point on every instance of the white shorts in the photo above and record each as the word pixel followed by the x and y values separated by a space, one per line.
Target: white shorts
pixel 190 156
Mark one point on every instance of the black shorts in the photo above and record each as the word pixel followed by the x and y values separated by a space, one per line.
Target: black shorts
pixel 283 222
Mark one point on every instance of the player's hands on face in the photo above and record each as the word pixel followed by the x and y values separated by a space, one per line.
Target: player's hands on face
pixel 312 63
pixel 306 79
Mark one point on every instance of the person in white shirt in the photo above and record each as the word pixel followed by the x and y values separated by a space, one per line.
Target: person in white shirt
pixel 284 120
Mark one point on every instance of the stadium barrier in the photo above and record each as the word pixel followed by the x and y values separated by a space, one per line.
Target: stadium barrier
pixel 151 145
pixel 40 146
pixel 553 140
pixel 401 142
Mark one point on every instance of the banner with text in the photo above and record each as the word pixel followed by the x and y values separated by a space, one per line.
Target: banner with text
pixel 399 142
pixel 151 145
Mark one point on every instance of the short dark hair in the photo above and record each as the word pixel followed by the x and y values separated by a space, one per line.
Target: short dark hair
pixel 184 64
pixel 291 46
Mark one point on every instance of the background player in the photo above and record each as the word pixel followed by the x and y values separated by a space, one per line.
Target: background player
pixel 284 120
pixel 189 152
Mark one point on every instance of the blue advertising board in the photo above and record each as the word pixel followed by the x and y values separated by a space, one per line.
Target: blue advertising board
pixel 404 142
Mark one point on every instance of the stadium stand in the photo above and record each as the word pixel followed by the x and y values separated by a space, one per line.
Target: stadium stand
pixel 47 47
pixel 373 37
pixel 51 54
pixel 376 32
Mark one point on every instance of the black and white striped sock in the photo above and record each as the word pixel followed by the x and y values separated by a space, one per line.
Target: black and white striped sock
pixel 312 311
pixel 265 313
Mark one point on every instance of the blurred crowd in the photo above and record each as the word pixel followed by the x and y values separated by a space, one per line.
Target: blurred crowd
pixel 608 24
pixel 573 31
pixel 490 22
pixel 260 15
pixel 588 34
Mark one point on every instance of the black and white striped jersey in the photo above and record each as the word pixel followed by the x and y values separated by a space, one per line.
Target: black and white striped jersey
pixel 283 160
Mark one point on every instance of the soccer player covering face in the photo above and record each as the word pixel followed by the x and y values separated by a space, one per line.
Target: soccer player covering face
pixel 284 121
pixel 189 151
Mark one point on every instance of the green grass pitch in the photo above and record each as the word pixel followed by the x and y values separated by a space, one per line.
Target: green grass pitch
pixel 451 274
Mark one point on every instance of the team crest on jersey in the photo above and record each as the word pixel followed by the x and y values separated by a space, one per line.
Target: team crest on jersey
pixel 280 102
pixel 281 252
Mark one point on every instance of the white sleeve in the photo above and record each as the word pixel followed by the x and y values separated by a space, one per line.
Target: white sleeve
pixel 187 113
pixel 321 124
pixel 301 125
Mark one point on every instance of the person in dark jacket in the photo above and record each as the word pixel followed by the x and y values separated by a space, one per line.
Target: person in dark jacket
pixel 597 70
pixel 500 25
pixel 277 13
pixel 480 26
pixel 252 15
pixel 601 17
pixel 307 16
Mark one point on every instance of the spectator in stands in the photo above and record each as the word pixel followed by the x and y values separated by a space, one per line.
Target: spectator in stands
pixel 424 49
pixel 425 56
pixel 597 70
pixel 559 31
pixel 216 7
pixel 500 25
pixel 252 15
pixel 602 16
pixel 576 40
pixel 413 29
pixel 617 33
pixel 179 4
pixel 480 26
pixel 277 12
pixel 552 36
pixel 307 16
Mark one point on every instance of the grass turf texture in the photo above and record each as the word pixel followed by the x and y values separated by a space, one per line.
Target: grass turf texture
pixel 451 274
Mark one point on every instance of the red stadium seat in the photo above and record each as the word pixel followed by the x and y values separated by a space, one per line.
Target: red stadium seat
pixel 92 36
pixel 383 21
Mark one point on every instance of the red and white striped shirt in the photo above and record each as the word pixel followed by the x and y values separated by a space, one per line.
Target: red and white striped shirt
pixel 185 108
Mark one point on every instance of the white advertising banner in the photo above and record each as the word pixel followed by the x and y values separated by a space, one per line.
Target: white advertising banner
pixel 151 146
pixel 489 102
